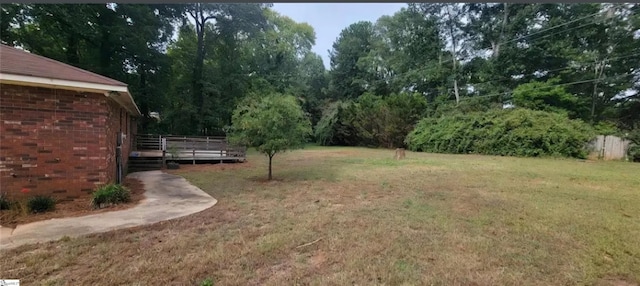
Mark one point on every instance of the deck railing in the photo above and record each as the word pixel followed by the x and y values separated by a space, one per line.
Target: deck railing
pixel 147 142
pixel 191 148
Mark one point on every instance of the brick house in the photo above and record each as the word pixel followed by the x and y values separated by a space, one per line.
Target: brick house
pixel 60 127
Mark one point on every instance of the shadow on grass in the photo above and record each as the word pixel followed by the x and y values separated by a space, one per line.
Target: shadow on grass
pixel 300 173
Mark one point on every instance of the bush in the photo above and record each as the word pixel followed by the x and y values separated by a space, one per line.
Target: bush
pixel 515 132
pixel 371 120
pixel 40 204
pixel 607 128
pixel 634 153
pixel 334 127
pixel 5 203
pixel 110 194
pixel 323 132
pixel 545 96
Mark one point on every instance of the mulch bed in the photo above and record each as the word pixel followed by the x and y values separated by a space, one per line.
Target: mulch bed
pixel 78 207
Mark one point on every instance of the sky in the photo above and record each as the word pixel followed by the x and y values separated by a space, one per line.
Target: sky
pixel 328 19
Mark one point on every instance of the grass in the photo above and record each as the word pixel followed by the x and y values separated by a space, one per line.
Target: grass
pixel 337 216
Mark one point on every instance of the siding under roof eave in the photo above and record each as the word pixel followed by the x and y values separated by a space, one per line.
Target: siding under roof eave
pixel 119 94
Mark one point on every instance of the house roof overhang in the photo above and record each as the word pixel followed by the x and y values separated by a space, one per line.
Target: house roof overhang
pixel 120 94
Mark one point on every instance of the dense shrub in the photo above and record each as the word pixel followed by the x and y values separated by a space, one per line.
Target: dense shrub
pixel 326 128
pixel 110 194
pixel 634 153
pixel 545 96
pixel 5 203
pixel 370 120
pixel 634 149
pixel 607 128
pixel 40 204
pixel 514 132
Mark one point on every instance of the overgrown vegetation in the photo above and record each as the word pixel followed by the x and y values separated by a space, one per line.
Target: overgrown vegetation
pixel 634 153
pixel 110 194
pixel 41 203
pixel 545 96
pixel 371 120
pixel 518 132
pixel 634 148
pixel 174 152
pixel 5 203
pixel 575 58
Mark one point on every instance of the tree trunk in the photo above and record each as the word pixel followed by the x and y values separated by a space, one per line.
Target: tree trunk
pixel 599 69
pixel 505 18
pixel 454 55
pixel 198 96
pixel 455 89
pixel 105 20
pixel 270 159
pixel 72 50
pixel 593 97
pixel 144 102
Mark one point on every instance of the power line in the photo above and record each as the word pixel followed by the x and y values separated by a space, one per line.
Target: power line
pixel 533 74
pixel 549 86
pixel 553 27
pixel 554 70
pixel 545 36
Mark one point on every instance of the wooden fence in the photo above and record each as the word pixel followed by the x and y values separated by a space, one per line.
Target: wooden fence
pixel 609 148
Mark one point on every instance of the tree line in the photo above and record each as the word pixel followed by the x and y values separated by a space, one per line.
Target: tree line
pixel 194 63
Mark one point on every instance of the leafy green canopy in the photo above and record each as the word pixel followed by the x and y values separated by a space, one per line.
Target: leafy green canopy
pixel 193 63
pixel 272 124
pixel 517 132
pixel 371 120
pixel 544 96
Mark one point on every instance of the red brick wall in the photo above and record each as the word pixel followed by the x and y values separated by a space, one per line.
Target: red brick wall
pixel 55 141
pixel 118 121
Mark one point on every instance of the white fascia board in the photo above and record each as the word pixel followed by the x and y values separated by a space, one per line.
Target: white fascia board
pixel 105 89
pixel 59 83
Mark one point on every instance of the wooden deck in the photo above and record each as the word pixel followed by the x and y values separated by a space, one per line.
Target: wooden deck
pixel 154 151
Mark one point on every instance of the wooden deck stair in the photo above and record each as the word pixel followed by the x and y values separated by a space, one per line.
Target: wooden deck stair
pixel 138 164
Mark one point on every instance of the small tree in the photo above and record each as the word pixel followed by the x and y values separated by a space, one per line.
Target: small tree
pixel 272 124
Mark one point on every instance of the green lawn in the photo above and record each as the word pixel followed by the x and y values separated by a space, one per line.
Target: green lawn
pixel 343 216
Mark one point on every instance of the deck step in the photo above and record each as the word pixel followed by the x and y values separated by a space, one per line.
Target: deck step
pixel 137 164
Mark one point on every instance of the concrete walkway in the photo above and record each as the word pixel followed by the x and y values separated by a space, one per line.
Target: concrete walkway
pixel 166 197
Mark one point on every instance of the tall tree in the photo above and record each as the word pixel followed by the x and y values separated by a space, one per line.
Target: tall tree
pixel 450 23
pixel 11 15
pixel 125 41
pixel 348 80
pixel 597 55
pixel 276 54
pixel 493 31
pixel 230 18
pixel 313 79
pixel 406 53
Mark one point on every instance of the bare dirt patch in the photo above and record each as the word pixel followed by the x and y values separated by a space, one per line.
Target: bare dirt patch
pixel 78 207
pixel 616 281
pixel 310 154
pixel 210 167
